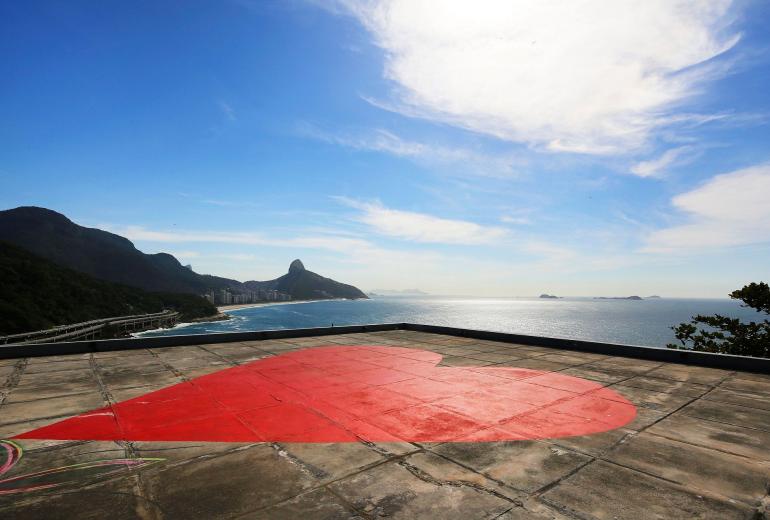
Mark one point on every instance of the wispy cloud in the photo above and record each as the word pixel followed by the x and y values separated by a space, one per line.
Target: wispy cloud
pixel 670 158
pixel 227 110
pixel 515 220
pixel 590 77
pixel 729 210
pixel 333 243
pixel 421 227
pixel 237 257
pixel 230 203
pixel 349 253
pixel 467 160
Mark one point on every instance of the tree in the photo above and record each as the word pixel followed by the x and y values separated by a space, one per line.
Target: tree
pixel 729 335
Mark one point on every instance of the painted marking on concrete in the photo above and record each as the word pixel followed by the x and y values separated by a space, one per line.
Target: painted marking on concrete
pixel 55 477
pixel 347 393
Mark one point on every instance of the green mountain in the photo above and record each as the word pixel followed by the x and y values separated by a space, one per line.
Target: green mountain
pixel 36 294
pixel 99 253
pixel 113 258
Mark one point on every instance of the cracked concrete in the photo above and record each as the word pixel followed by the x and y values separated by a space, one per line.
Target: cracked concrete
pixel 699 446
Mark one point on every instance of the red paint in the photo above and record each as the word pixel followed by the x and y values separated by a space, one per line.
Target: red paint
pixel 341 394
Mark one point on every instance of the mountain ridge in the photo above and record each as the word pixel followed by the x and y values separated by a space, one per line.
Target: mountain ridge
pixel 111 257
pixel 37 294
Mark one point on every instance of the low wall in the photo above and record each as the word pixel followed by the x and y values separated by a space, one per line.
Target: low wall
pixel 705 359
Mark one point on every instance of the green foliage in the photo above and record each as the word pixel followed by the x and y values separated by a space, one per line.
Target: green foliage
pixel 189 306
pixel 729 335
pixel 37 294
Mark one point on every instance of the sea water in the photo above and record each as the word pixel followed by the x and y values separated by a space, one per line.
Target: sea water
pixel 646 322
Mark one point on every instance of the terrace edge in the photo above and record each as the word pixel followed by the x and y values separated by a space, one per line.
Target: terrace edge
pixel 686 357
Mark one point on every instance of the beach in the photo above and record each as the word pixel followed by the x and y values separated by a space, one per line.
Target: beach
pixel 239 306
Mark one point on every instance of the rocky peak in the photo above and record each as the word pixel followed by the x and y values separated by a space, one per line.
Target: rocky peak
pixel 296 266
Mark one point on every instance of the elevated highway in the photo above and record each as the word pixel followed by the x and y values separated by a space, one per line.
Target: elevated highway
pixel 118 325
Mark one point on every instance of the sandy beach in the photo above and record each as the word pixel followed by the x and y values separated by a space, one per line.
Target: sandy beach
pixel 225 308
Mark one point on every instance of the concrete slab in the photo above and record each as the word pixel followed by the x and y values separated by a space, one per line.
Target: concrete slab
pixel 34 393
pixel 746 399
pixel 606 491
pixel 730 414
pixel 237 482
pixel 523 465
pixel 700 468
pixel 419 426
pixel 737 440
pixel 753 386
pixel 660 401
pixel 667 385
pixel 396 491
pixel 318 504
pixel 64 376
pixel 49 407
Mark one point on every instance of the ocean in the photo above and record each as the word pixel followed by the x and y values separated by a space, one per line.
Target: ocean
pixel 647 322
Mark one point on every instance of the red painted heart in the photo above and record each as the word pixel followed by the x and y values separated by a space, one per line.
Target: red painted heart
pixel 346 393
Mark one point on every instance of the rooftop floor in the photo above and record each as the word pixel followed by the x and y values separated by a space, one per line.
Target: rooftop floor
pixel 368 426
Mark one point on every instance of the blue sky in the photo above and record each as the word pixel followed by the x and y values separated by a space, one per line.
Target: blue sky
pixel 487 148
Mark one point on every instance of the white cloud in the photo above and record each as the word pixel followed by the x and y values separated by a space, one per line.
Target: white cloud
pixel 351 258
pixel 596 76
pixel 518 221
pixel 670 158
pixel 420 227
pixel 380 140
pixel 326 242
pixel 731 209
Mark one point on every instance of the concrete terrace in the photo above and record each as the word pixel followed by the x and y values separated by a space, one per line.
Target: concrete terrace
pixel 698 447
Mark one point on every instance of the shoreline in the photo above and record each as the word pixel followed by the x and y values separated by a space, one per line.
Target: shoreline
pixel 222 315
pixel 240 306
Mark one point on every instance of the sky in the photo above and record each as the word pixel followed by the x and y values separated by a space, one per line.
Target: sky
pixel 489 148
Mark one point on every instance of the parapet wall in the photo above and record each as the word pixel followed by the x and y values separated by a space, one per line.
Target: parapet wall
pixel 706 359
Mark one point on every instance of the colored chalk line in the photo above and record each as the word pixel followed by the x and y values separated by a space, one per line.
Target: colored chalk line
pixel 39 480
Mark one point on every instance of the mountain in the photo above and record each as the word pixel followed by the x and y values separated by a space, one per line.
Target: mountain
pixel 36 294
pixel 302 284
pixel 113 258
pixel 99 253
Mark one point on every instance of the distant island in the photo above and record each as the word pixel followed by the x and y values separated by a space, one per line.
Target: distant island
pixel 653 297
pixel 549 296
pixel 618 298
pixel 61 249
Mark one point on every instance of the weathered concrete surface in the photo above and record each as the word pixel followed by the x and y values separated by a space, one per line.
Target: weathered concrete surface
pixel 522 465
pixel 603 490
pixel 398 490
pixel 699 446
pixel 700 468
